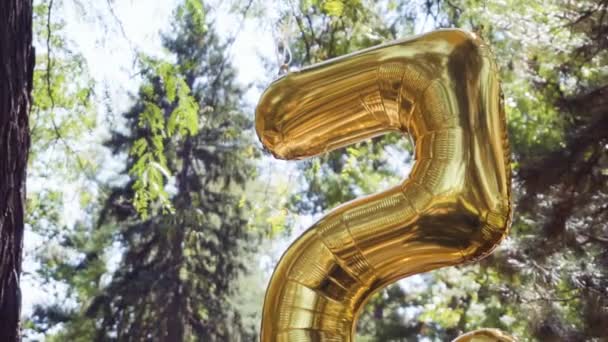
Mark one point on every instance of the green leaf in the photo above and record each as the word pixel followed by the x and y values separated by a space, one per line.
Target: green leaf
pixel 334 7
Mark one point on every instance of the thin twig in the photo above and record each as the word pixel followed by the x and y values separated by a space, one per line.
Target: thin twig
pixel 124 33
pixel 49 65
pixel 49 62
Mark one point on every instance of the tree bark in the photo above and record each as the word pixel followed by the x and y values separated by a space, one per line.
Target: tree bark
pixel 16 71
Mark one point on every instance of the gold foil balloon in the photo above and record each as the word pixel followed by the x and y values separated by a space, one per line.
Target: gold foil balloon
pixel 442 88
pixel 484 335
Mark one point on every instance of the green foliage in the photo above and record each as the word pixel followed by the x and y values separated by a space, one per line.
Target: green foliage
pixel 192 11
pixel 333 7
pixel 180 222
pixel 63 161
pixel 179 266
pixel 150 168
pixel 62 112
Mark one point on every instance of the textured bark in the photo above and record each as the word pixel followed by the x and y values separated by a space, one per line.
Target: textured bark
pixel 16 68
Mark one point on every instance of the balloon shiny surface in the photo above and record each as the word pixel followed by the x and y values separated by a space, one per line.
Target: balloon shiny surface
pixel 485 335
pixel 442 89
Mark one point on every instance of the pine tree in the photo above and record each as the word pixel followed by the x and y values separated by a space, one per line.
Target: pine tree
pixel 181 217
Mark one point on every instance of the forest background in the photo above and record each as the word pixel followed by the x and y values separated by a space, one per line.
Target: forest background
pixel 153 212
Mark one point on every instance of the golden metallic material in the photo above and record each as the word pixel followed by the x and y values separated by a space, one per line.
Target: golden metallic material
pixel 455 207
pixel 484 335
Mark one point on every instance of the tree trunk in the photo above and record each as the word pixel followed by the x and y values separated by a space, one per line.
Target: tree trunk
pixel 16 70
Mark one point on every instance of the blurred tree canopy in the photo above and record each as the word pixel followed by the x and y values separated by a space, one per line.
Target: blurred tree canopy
pixel 188 219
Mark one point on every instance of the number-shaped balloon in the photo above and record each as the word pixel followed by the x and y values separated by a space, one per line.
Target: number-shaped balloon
pixel 442 88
